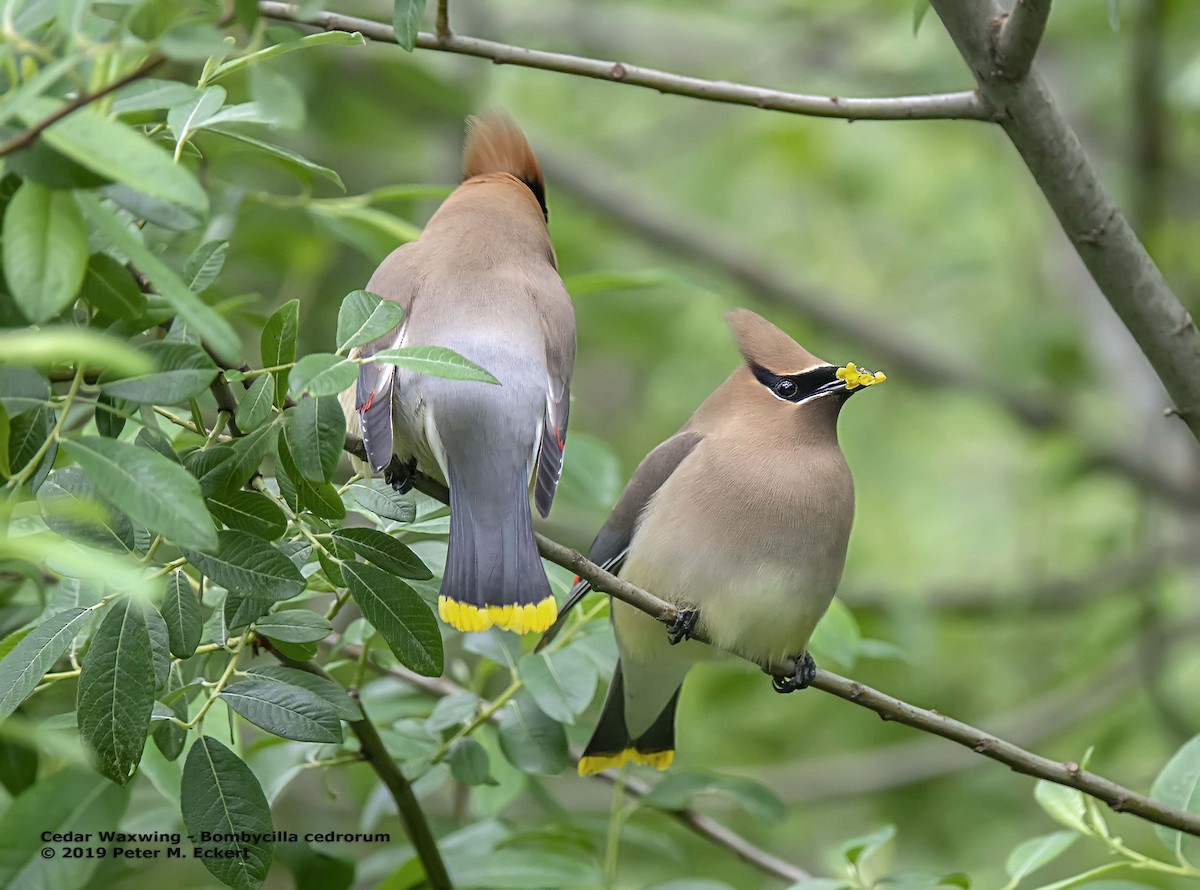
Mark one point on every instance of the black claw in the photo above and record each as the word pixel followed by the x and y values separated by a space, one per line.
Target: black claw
pixel 401 475
pixel 806 672
pixel 681 628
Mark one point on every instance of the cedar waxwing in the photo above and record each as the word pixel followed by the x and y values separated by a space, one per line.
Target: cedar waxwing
pixel 741 519
pixel 482 280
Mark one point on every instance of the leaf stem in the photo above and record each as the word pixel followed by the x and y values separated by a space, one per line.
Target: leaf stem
pixel 481 718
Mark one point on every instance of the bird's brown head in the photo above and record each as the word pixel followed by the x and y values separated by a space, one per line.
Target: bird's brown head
pixel 788 371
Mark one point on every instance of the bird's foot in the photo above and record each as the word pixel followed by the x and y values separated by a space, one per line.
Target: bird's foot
pixel 401 475
pixel 681 628
pixel 806 672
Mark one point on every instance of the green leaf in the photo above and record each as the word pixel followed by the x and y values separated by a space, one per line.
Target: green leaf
pixel 23 667
pixel 294 626
pixel 160 647
pixel 54 345
pixel 278 344
pixel 221 797
pixel 71 506
pixel 364 317
pixel 316 432
pixel 860 848
pixel 18 767
pixel 290 712
pixel 208 326
pixel 1064 805
pixel 469 763
pixel 211 467
pixel 403 619
pixel 532 741
pixel 249 451
pixel 343 705
pixel 205 264
pixel 67 801
pixel 21 388
pixel 26 434
pixel 255 406
pixel 45 251
pixel 117 152
pixel 249 511
pixel 181 612
pixel 561 682
pixel 249 566
pixel 116 690
pixel 1033 854
pixel 321 374
pixel 436 361
pixel 406 19
pixel 1178 785
pixel 14 100
pixel 184 372
pixel 384 551
pixel 321 498
pixel 919 10
pixel 147 487
pixel 325 38
pixel 192 114
pixel 378 497
pixel 151 94
pixel 111 291
pixel 289 157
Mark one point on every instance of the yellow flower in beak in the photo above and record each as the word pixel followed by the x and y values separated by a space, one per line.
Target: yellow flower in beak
pixel 855 377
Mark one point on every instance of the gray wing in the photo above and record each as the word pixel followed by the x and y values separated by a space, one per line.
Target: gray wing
pixel 394 281
pixel 554 441
pixel 612 543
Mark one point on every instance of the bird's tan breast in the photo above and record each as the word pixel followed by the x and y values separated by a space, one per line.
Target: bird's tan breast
pixel 752 536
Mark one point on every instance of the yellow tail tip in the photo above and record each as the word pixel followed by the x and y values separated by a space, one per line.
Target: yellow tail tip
pixel 520 619
pixel 595 763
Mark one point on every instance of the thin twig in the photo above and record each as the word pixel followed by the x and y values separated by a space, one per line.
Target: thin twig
pixel 376 754
pixel 442 24
pixel 1118 797
pixel 1018 37
pixel 30 133
pixel 943 106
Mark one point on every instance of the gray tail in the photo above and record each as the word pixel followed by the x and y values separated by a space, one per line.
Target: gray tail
pixel 611 744
pixel 493 575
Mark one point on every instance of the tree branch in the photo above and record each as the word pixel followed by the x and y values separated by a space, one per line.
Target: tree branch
pixel 442 24
pixel 1102 236
pixel 1118 797
pixel 697 822
pixel 377 756
pixel 30 133
pixel 946 106
pixel 1018 38
pixel 759 275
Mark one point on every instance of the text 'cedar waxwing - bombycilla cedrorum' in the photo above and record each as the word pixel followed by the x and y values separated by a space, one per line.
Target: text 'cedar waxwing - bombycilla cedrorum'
pixel 482 280
pixel 741 519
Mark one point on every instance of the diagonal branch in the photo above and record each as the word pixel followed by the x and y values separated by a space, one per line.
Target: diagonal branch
pixel 30 133
pixel 1118 797
pixel 1095 225
pixel 697 822
pixel 1018 38
pixel 943 106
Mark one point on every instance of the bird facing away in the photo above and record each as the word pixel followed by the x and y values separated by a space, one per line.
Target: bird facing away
pixel 741 519
pixel 482 280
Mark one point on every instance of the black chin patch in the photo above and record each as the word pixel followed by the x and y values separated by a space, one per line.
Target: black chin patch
pixel 795 387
